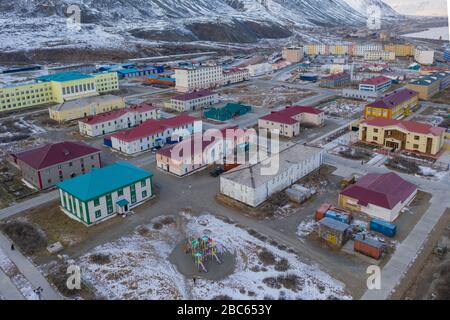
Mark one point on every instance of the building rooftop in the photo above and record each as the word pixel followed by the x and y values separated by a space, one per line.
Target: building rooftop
pixel 64 76
pixel 382 190
pixel 53 154
pixel 112 115
pixel 99 182
pixel 376 80
pixel 194 95
pixel 250 175
pixel 79 103
pixel 151 127
pixel 286 116
pixel 334 224
pixel 394 98
pixel 411 126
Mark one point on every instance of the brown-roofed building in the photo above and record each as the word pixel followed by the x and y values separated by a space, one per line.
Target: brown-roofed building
pixel 288 121
pixel 47 165
pixel 394 105
pixel 380 196
pixel 194 100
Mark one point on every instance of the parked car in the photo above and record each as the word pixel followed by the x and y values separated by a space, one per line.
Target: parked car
pixel 217 172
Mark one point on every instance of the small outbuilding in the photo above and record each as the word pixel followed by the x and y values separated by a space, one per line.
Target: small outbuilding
pixel 333 231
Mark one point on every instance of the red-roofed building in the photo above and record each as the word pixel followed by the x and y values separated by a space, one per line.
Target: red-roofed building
pixel 108 122
pixel 375 84
pixel 235 75
pixel 155 133
pixel 47 165
pixel 410 136
pixel 394 105
pixel 199 151
pixel 194 100
pixel 289 120
pixel 380 196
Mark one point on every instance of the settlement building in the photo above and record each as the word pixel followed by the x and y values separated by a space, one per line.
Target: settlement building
pixel 429 85
pixel 380 196
pixel 77 109
pixel 113 121
pixel 288 121
pixel 45 166
pixel 403 135
pixel 379 56
pixel 424 56
pixel 103 193
pixel 260 69
pixel 235 75
pixel 376 84
pixel 400 49
pixel 293 54
pixel 155 133
pixel 57 88
pixel 335 80
pixel 194 78
pixel 194 101
pixel 393 105
pixel 249 184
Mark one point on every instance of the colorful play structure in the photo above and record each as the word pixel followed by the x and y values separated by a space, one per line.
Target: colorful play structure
pixel 202 249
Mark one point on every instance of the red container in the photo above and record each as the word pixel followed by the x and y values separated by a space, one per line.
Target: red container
pixel 369 248
pixel 320 213
pixel 228 167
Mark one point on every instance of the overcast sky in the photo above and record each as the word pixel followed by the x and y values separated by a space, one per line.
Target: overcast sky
pixel 420 7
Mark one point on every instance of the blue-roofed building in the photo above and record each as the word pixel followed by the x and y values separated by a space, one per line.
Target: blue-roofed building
pixel 139 72
pixel 64 76
pixel 103 193
pixel 447 53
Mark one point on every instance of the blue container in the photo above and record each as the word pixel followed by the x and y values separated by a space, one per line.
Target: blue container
pixel 337 216
pixel 386 228
pixel 107 142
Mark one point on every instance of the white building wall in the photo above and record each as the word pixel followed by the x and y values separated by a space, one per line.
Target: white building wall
pixel 256 70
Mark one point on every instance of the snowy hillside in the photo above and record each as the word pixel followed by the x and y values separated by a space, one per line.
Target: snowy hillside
pixel 362 5
pixel 28 24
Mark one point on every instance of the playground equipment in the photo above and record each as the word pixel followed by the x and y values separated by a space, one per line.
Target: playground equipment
pixel 202 249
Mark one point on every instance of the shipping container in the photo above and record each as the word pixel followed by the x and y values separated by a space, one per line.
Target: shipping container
pixel 386 228
pixel 320 213
pixel 345 218
pixel 369 247
pixel 227 167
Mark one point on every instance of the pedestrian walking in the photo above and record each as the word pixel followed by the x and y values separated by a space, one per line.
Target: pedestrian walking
pixel 12 247
pixel 195 280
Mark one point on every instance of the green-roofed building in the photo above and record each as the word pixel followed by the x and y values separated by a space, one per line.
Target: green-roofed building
pixel 228 112
pixel 64 76
pixel 104 193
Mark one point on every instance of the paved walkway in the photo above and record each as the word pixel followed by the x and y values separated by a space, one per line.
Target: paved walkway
pixel 26 205
pixel 8 290
pixel 30 272
pixel 407 252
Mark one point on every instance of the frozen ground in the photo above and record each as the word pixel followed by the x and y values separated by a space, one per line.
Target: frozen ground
pixel 137 267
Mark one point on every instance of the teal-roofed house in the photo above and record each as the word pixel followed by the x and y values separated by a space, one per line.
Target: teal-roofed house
pixel 228 112
pixel 103 193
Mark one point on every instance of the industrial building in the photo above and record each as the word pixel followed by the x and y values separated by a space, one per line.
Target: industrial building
pixel 139 72
pixel 84 107
pixel 193 101
pixel 155 133
pixel 375 84
pixel 403 135
pixel 394 105
pixel 57 88
pixel 250 185
pixel 287 122
pixel 335 80
pixel 116 120
pixel 47 165
pixel 103 193
pixel 380 196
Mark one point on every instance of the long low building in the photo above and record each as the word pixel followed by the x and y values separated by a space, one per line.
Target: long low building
pixel 380 196
pixel 251 185
pixel 155 133
pixel 335 80
pixel 403 135
pixel 429 85
pixel 81 108
pixel 104 193
pixel 288 121
pixel 113 121
pixel 375 84
pixel 393 105
pixel 193 101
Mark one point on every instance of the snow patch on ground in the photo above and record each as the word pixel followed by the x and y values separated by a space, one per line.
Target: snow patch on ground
pixel 139 267
pixel 305 228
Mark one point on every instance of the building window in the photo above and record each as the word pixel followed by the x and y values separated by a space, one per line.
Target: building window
pixel 143 183
pixel 144 194
pixel 98 214
pixel 120 192
pixel 416 138
pixel 416 146
pixel 96 202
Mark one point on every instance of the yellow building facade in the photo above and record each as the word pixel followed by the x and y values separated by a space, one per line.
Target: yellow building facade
pixel 57 88
pixel 393 105
pixel 403 135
